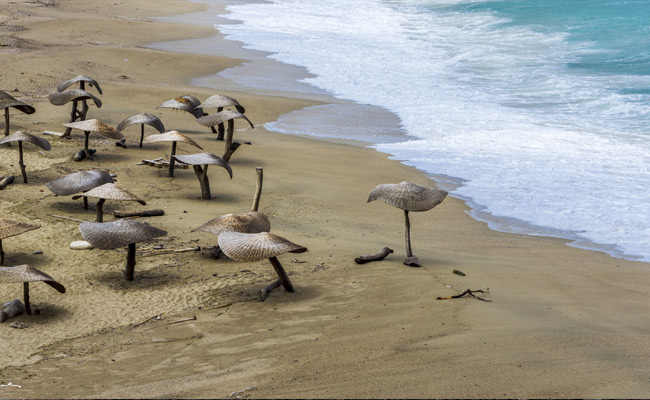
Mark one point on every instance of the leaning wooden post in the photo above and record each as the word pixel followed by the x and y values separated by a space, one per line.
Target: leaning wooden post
pixel 20 161
pixel 202 176
pixel 231 130
pixel 284 278
pixel 407 234
pixel 220 126
pixel 258 188
pixel 130 263
pixel 28 307
pixel 100 211
pixel 171 160
pixel 141 134
pixel 73 118
pixel 2 254
pixel 7 121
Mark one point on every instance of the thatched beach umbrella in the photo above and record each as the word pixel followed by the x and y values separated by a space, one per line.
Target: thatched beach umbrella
pixel 74 96
pixel 78 182
pixel 109 191
pixel 185 103
pixel 21 137
pixel 142 119
pixel 82 80
pixel 94 126
pixel 200 164
pixel 7 101
pixel 10 228
pixel 174 137
pixel 258 246
pixel 111 235
pixel 25 274
pixel 220 101
pixel 221 117
pixel 408 197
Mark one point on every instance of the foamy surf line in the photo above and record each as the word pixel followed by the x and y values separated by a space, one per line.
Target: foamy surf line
pixel 518 172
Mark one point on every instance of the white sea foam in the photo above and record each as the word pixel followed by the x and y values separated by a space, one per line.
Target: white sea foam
pixel 535 146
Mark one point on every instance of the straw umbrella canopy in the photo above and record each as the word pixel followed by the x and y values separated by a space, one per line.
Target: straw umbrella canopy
pixel 94 126
pixel 10 228
pixel 21 137
pixel 174 137
pixel 221 117
pixel 82 80
pixel 142 119
pixel 185 103
pixel 75 96
pixel 25 274
pixel 200 163
pixel 408 196
pixel 7 101
pixel 109 191
pixel 111 235
pixel 220 101
pixel 251 247
pixel 79 182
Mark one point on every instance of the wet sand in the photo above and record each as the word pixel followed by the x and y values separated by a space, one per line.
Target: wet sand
pixel 563 322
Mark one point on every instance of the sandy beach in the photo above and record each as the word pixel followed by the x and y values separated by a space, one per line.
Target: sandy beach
pixel 562 322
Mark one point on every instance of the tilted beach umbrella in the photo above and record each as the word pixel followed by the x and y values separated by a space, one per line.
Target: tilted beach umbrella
pixel 174 137
pixel 109 191
pixel 78 182
pixel 21 137
pixel 81 80
pixel 408 197
pixel 111 235
pixel 220 101
pixel 185 103
pixel 142 119
pixel 25 274
pixel 7 101
pixel 10 228
pixel 75 96
pixel 250 222
pixel 221 117
pixel 200 163
pixel 258 246
pixel 94 126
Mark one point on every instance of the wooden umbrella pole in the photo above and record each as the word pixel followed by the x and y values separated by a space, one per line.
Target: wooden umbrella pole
pixel 171 160
pixel 73 118
pixel 407 234
pixel 2 254
pixel 202 176
pixel 282 274
pixel 100 211
pixel 258 188
pixel 228 150
pixel 86 150
pixel 130 263
pixel 28 307
pixel 85 202
pixel 20 161
pixel 7 121
pixel 221 129
pixel 141 134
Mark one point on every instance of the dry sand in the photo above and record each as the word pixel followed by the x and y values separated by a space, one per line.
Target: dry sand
pixel 563 322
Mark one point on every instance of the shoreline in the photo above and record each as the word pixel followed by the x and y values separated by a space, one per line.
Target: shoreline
pixel 259 62
pixel 560 320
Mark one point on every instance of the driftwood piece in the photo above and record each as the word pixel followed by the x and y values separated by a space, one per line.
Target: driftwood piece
pixel 161 163
pixel 81 154
pixel 7 181
pixel 265 292
pixel 380 255
pixel 469 292
pixel 145 213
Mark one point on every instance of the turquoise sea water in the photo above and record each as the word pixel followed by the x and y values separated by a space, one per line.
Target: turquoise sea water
pixel 536 112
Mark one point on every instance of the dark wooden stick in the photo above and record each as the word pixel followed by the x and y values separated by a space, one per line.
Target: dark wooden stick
pixel 202 175
pixel 73 117
pixel 380 255
pixel 228 146
pixel 130 263
pixel 282 274
pixel 141 134
pixel 86 150
pixel 6 181
pixel 28 307
pixel 7 121
pixel 21 161
pixel 265 292
pixel 258 188
pixel 85 202
pixel 469 292
pixel 100 212
pixel 171 160
pixel 145 213
pixel 2 254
